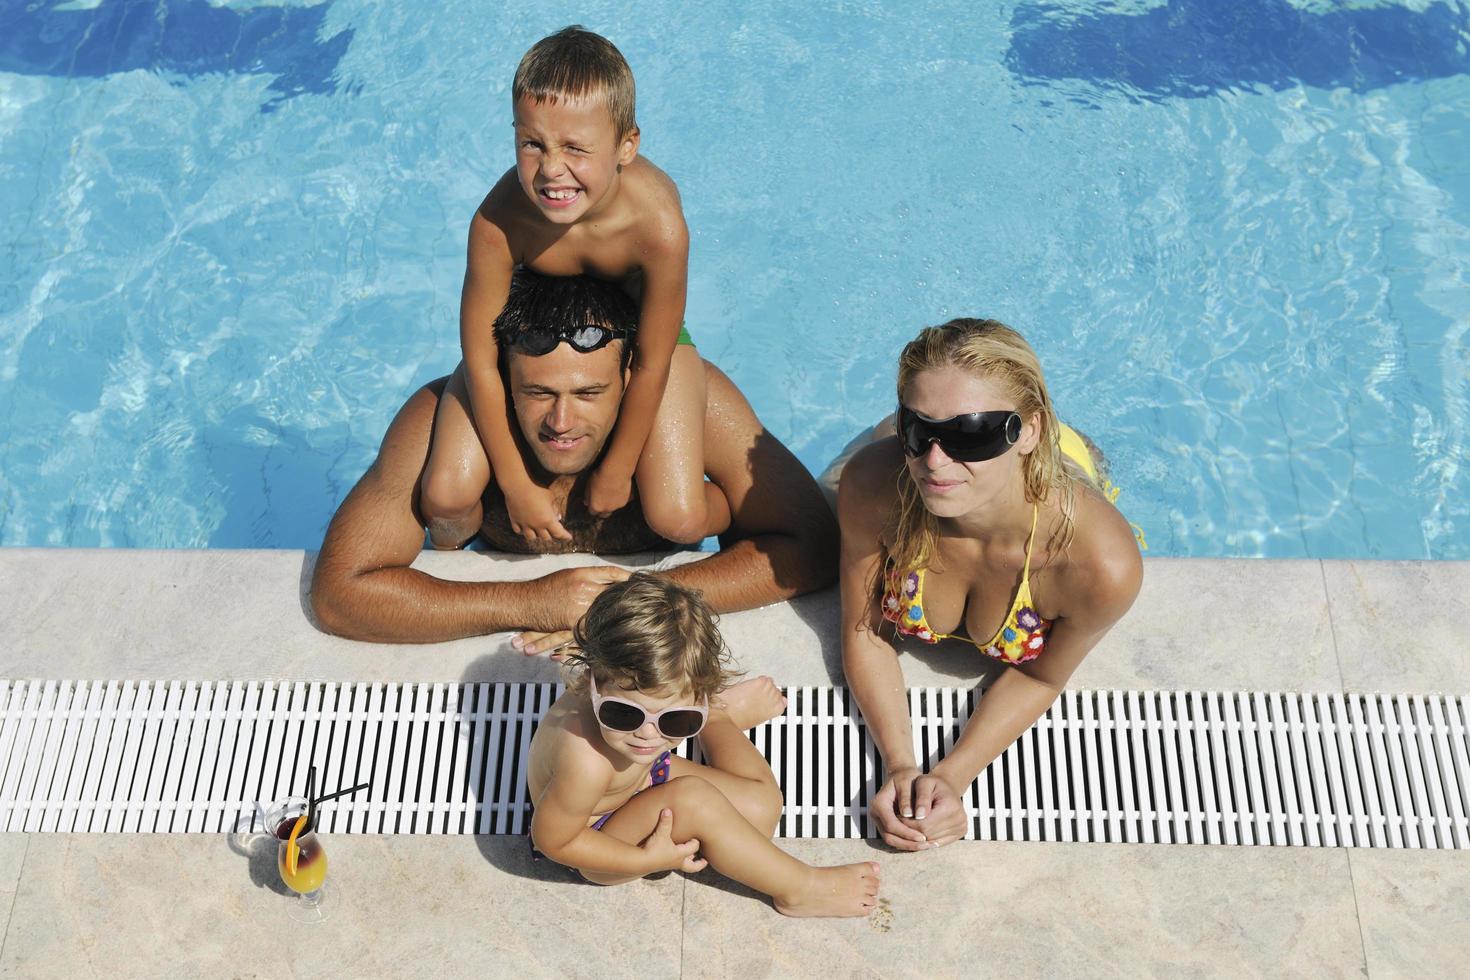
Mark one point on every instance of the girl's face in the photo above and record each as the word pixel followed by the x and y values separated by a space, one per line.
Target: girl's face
pixel 646 743
pixel 949 487
pixel 567 155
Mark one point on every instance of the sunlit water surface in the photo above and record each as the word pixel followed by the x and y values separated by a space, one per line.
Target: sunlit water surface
pixel 1236 233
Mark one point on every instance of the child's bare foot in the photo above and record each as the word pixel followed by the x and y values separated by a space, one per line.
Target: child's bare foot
pixel 751 702
pixel 846 890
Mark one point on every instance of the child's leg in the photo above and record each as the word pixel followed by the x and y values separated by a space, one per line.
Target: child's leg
pixel 740 851
pixel 457 472
pixel 677 502
pixel 735 767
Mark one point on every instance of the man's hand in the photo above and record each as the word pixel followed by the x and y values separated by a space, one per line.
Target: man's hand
pixel 532 513
pixel 664 855
pixel 608 492
pixel 562 600
pixel 533 644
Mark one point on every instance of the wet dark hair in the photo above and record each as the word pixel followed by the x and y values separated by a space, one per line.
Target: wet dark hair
pixel 565 301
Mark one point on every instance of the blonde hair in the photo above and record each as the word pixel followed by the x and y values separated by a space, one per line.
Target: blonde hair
pixel 649 634
pixel 1000 355
pixel 574 63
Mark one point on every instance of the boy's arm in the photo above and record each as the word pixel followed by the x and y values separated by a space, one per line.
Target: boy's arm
pixel 489 266
pixel 661 314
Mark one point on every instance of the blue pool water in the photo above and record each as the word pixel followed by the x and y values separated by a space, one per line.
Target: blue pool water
pixel 1238 234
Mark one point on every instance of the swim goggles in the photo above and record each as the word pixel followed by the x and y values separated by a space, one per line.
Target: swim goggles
pixel 584 339
pixel 971 438
pixel 621 715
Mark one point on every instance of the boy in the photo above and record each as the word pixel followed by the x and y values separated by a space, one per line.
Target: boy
pixel 579 200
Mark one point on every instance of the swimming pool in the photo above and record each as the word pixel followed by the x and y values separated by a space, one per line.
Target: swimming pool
pixel 1238 234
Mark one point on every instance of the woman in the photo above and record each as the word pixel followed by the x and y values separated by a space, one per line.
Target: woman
pixel 972 522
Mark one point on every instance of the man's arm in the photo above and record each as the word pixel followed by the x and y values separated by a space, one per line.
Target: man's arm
pixel 363 588
pixel 783 538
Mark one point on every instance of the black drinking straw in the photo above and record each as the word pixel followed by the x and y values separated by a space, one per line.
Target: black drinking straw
pixel 341 792
pixel 310 803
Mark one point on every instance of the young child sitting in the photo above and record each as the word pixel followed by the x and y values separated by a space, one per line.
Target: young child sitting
pixel 611 799
pixel 579 200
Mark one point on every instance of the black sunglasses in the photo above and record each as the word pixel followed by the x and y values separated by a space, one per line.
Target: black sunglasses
pixel 971 438
pixel 584 339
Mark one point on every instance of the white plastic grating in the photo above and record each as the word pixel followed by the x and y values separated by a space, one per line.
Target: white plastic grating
pixel 1327 770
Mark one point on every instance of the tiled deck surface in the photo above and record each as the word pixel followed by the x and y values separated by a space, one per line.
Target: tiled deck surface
pixel 156 906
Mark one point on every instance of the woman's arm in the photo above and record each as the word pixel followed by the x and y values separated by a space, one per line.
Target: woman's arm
pixel 1101 589
pixel 869 661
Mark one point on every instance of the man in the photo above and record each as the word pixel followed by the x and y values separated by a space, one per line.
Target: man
pixel 782 541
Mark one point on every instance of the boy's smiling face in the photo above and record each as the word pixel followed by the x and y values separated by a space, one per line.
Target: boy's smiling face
pixel 567 155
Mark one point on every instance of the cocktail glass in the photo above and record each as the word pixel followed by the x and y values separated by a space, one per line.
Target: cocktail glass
pixel 308 877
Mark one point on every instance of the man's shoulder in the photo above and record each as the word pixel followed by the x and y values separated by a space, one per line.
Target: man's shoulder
pixel 725 405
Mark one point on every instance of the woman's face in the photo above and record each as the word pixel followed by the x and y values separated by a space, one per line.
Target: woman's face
pixel 949 487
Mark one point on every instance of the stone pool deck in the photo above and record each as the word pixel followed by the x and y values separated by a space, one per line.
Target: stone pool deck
pixel 192 905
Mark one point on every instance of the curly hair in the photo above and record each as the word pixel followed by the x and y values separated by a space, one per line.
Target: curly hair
pixel 649 634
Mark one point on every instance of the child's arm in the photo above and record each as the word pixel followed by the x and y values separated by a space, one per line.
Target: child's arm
pixel 665 283
pixel 559 826
pixel 488 270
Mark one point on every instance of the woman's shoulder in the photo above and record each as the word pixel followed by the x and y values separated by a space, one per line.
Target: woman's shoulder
pixel 871 471
pixel 1104 565
pixel 868 486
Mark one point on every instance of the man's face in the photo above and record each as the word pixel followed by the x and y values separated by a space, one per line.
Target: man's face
pixel 566 403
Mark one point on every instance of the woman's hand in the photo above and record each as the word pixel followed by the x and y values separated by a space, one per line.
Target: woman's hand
pixel 939 810
pixel 892 807
pixel 916 811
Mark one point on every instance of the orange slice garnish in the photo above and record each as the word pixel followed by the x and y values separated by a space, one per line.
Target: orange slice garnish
pixel 293 850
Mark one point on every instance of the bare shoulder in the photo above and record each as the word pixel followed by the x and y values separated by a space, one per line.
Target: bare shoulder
pixel 768 487
pixel 562 748
pixel 407 440
pixel 866 492
pixel 724 397
pixel 653 189
pixel 657 212
pixel 504 218
pixel 1104 566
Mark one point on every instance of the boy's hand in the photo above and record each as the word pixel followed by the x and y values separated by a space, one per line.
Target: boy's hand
pixel 664 855
pixel 532 513
pixel 608 491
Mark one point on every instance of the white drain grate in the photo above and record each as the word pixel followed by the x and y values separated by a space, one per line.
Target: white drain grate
pixel 1170 767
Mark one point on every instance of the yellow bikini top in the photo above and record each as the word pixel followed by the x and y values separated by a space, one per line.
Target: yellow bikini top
pixel 1022 634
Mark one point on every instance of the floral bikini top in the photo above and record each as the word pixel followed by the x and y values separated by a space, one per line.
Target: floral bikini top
pixel 1021 637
